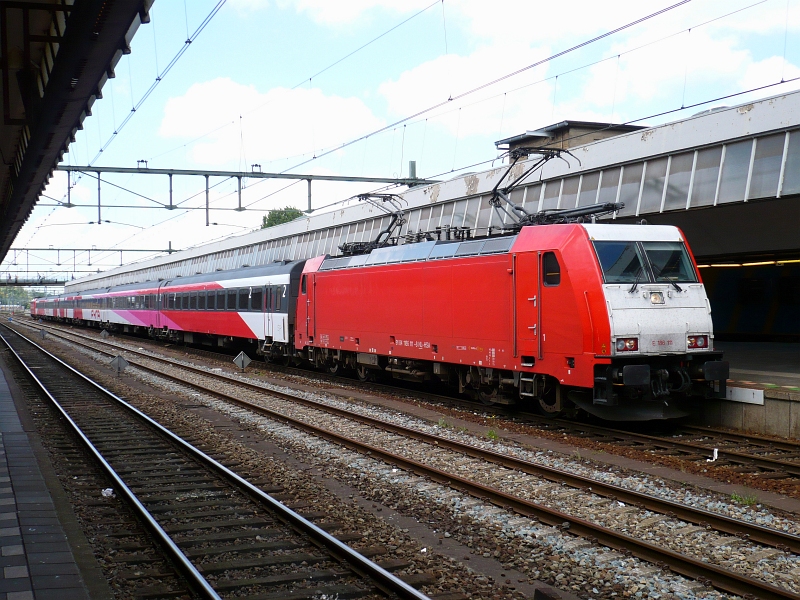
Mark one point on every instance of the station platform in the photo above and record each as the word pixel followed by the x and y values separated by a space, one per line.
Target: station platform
pixel 763 390
pixel 769 365
pixel 38 546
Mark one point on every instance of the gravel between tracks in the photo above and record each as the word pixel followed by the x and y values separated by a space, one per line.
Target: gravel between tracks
pixel 451 577
pixel 543 552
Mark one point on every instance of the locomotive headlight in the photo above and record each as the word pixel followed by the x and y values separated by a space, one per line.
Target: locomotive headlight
pixel 627 344
pixel 697 342
pixel 656 297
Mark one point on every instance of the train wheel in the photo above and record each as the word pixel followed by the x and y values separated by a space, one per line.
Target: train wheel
pixel 488 396
pixel 333 368
pixel 549 403
pixel 363 373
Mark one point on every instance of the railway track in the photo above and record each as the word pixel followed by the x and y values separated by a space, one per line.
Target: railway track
pixel 722 578
pixel 225 535
pixel 745 453
pixel 762 456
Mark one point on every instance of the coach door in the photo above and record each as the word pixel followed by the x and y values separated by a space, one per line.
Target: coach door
pixel 268 312
pixel 525 271
pixel 161 303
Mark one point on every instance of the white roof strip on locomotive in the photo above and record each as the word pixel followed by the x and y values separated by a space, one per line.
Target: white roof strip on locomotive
pixel 633 233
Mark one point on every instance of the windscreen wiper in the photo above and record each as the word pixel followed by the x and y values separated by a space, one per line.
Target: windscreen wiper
pixel 675 285
pixel 636 281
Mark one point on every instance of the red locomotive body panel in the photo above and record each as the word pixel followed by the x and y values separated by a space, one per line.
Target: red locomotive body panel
pixel 493 311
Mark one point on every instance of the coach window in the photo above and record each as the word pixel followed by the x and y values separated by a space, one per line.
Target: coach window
pixel 221 299
pixel 193 301
pixel 184 301
pixel 244 298
pixel 211 302
pixel 201 300
pixel 257 299
pixel 278 298
pixel 551 268
pixel 268 299
pixel 231 300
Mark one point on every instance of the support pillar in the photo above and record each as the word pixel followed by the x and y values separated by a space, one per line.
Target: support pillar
pixel 207 201
pixel 240 209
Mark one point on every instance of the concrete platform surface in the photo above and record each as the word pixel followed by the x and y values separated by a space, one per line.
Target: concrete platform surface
pixel 36 559
pixel 768 364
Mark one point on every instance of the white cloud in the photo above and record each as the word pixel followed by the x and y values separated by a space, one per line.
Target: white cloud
pixel 484 112
pixel 770 70
pixel 278 123
pixel 339 13
pixel 687 68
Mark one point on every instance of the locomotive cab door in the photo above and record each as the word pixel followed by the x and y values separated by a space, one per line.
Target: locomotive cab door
pixel 307 292
pixel 527 294
pixel 559 316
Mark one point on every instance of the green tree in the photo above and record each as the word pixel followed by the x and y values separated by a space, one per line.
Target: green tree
pixel 14 295
pixel 280 215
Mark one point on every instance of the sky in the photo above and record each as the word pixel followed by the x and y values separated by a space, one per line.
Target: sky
pixel 362 87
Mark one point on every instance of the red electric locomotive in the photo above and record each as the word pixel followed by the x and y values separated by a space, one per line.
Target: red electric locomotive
pixel 612 319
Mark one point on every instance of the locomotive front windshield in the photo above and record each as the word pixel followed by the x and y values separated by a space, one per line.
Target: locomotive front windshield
pixel 631 262
pixel 670 262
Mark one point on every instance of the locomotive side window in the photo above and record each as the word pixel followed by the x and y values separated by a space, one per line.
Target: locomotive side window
pixel 303 285
pixel 551 268
pixel 622 262
pixel 257 300
pixel 231 300
pixel 244 298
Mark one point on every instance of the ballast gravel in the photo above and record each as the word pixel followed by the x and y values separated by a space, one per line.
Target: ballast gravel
pixel 543 552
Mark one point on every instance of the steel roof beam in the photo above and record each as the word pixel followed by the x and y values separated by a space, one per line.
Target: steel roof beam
pixel 93 40
pixel 244 174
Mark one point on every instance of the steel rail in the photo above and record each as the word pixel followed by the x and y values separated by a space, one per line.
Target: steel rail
pixel 667 443
pixel 698 516
pixel 362 565
pixel 718 577
pixel 196 580
pixel 759 441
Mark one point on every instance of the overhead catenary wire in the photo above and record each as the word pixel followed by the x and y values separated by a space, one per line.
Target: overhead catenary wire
pixel 582 135
pixel 493 82
pixel 309 79
pixel 650 116
pixel 617 55
pixel 159 77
